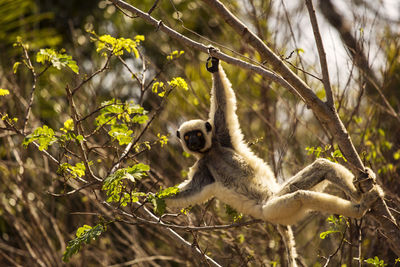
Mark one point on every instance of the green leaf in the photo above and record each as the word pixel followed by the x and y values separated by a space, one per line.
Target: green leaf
pixel 233 213
pixel 158 205
pixel 57 59
pixel 179 83
pixel 80 138
pixel 121 133
pixel 4 92
pixel 68 125
pixel 376 262
pixel 119 117
pixel 158 88
pixel 162 139
pixel 117 46
pixel 175 54
pixel 167 192
pixel 84 234
pixel 115 184
pixel 158 201
pixel 337 225
pixel 323 235
pixel 15 66
pixel 43 135
pixel 75 171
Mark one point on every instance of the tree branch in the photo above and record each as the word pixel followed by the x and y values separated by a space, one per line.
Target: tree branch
pixel 321 53
pixel 206 49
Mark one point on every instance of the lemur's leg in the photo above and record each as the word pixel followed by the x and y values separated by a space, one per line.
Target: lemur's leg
pixel 317 172
pixel 288 208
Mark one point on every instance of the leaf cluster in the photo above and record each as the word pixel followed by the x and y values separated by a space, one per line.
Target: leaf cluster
pixel 116 184
pixel 84 235
pixel 56 59
pixel 117 46
pixel 119 117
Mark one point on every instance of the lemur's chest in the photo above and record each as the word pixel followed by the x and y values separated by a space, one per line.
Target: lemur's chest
pixel 229 168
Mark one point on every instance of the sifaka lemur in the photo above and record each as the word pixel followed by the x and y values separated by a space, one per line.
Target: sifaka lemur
pixel 227 169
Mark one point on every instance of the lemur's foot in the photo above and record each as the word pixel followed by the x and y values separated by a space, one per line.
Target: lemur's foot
pixel 366 181
pixel 369 198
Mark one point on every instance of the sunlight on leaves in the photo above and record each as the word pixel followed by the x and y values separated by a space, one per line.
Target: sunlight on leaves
pixel 57 59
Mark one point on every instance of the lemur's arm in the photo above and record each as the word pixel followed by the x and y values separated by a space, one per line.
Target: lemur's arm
pixel 223 107
pixel 195 190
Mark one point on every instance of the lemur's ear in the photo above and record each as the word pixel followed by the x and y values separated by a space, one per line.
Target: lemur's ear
pixel 178 134
pixel 208 126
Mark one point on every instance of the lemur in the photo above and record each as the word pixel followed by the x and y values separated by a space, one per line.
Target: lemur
pixel 227 169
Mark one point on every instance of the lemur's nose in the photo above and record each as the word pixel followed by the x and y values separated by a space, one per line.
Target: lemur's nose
pixel 194 142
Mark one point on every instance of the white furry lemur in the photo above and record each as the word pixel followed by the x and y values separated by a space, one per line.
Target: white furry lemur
pixel 227 169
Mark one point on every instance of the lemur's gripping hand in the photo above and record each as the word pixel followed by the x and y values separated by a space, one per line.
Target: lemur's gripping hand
pixel 214 64
pixel 366 181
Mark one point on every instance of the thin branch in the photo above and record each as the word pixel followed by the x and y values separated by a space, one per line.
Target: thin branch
pixel 206 49
pixel 105 66
pixel 337 249
pixel 153 7
pixel 193 228
pixel 170 231
pixel 28 63
pixel 72 191
pixel 321 53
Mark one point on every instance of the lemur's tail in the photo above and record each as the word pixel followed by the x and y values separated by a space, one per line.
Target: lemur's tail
pixel 288 239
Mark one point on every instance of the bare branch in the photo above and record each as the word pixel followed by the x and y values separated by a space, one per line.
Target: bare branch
pixel 170 231
pixel 321 53
pixel 206 49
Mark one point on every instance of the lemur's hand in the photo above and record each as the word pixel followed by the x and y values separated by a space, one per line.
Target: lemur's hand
pixel 214 64
pixel 366 181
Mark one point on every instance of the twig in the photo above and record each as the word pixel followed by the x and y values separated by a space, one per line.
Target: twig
pixel 29 65
pixel 129 147
pixel 321 53
pixel 337 249
pixel 129 69
pixel 79 131
pixel 72 191
pixel 171 232
pixel 153 7
pixel 105 66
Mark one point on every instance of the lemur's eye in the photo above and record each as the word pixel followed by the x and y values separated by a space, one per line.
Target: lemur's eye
pixel 186 137
pixel 199 134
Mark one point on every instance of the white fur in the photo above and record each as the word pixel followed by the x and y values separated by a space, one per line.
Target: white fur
pixel 239 202
pixel 263 173
pixel 206 193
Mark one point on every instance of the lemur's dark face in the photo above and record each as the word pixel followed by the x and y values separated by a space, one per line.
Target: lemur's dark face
pixel 195 135
pixel 194 140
